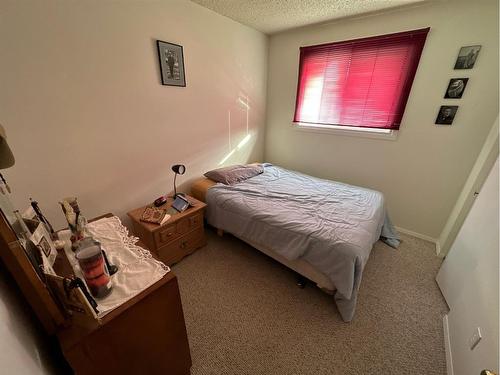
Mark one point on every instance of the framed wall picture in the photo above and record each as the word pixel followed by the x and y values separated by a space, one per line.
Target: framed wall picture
pixel 467 57
pixel 456 88
pixel 446 114
pixel 171 64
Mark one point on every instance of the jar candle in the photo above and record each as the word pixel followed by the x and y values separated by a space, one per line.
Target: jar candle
pixel 94 270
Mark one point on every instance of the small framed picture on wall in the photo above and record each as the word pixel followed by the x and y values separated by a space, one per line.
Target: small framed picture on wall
pixel 446 114
pixel 171 64
pixel 467 57
pixel 456 88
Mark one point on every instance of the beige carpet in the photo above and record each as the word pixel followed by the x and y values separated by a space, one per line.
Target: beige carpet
pixel 244 314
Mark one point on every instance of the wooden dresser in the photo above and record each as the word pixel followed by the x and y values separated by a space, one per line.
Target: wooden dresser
pixel 145 335
pixel 181 235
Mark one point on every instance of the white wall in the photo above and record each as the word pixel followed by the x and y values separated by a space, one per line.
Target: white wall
pixel 423 171
pixel 85 112
pixel 469 281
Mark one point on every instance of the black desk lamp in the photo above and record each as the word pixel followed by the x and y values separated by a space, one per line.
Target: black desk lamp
pixel 178 169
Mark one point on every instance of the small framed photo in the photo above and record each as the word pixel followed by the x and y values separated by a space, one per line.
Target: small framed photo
pixel 467 57
pixel 456 88
pixel 446 114
pixel 44 246
pixel 171 64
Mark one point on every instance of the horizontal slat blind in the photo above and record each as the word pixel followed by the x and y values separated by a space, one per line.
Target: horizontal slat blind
pixel 363 82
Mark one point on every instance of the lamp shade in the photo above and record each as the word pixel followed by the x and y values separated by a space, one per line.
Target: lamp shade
pixel 6 157
pixel 179 168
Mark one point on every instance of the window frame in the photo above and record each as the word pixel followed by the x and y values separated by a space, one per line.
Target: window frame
pixel 350 131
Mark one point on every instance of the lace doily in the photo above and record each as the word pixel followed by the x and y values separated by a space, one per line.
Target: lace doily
pixel 137 269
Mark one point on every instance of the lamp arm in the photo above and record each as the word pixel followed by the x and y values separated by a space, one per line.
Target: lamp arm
pixel 175 188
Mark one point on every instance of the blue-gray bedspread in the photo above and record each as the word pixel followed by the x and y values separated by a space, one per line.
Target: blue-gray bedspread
pixel 331 225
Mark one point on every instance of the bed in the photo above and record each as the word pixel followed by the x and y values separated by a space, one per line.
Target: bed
pixel 322 229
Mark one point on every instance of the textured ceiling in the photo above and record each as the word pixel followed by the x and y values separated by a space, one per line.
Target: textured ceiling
pixel 271 16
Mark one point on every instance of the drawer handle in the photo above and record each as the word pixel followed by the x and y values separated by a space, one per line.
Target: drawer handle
pixel 183 245
pixel 165 235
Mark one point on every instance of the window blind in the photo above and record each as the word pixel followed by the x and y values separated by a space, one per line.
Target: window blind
pixel 363 83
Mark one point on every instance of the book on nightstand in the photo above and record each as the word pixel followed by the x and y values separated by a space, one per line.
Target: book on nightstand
pixel 155 215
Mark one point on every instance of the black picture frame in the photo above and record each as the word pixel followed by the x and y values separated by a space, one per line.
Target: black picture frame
pixel 171 58
pixel 456 88
pixel 467 57
pixel 446 114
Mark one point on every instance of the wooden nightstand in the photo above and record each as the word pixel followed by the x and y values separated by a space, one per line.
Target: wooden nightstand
pixel 181 235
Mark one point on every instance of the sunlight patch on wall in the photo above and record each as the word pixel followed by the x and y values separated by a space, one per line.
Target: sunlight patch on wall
pixel 243 102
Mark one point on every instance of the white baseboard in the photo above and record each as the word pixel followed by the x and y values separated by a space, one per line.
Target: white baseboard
pixel 418 235
pixel 447 346
pixel 438 249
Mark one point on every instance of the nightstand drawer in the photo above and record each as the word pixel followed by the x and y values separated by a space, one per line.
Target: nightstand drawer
pixel 195 221
pixel 166 235
pixel 190 223
pixel 178 249
pixel 174 231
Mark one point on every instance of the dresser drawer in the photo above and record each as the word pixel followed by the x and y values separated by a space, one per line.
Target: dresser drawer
pixel 179 248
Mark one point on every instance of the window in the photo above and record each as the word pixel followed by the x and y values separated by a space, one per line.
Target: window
pixel 361 83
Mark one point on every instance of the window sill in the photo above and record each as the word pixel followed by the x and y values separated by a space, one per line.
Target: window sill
pixel 390 135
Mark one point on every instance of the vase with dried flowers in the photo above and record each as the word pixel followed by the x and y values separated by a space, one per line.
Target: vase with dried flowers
pixel 76 221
